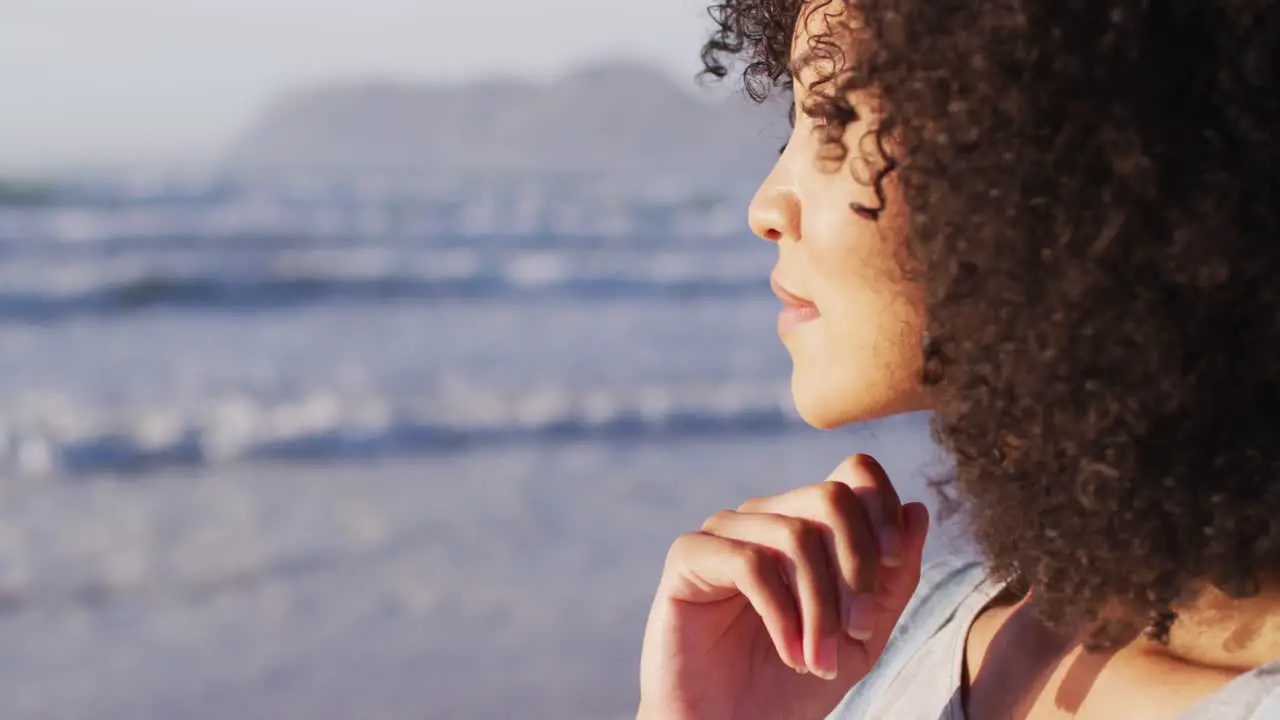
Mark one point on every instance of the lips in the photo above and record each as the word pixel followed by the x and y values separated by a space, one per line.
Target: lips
pixel 795 309
pixel 787 297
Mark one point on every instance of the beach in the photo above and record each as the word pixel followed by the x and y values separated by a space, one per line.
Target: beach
pixel 384 449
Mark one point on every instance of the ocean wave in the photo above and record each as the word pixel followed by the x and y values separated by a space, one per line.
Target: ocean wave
pixel 68 441
pixel 239 213
pixel 521 282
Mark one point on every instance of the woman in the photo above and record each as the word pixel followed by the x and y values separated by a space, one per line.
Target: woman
pixel 1055 224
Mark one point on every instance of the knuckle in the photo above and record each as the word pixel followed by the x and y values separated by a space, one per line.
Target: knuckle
pixel 861 464
pixel 681 547
pixel 861 461
pixel 718 519
pixel 800 536
pixel 752 560
pixel 836 496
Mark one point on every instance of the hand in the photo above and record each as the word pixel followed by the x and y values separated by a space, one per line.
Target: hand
pixel 776 610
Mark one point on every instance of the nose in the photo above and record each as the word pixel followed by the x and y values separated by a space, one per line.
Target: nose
pixel 774 214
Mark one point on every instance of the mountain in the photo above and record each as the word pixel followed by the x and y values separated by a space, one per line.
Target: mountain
pixel 24 192
pixel 614 116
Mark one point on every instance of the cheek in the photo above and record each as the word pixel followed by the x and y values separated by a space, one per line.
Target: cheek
pixel 855 272
pixel 862 359
pixel 856 263
pixel 873 314
pixel 832 235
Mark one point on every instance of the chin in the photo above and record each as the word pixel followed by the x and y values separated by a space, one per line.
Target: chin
pixel 829 403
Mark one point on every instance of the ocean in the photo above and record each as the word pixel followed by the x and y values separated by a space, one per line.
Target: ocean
pixel 376 446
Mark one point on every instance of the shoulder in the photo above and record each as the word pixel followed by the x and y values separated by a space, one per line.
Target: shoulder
pixel 945 585
pixel 944 579
pixel 1252 696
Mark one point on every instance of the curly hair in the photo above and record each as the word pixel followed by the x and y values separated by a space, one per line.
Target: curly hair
pixel 1094 214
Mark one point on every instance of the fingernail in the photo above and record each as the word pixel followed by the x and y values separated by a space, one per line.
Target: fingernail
pixel 802 670
pixel 891 547
pixel 858 617
pixel 828 654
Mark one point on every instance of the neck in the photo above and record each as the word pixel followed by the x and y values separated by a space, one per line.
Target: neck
pixel 1215 632
pixel 1016 664
pixel 1228 634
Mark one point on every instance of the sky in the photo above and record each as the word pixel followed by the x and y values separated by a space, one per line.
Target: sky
pixel 106 82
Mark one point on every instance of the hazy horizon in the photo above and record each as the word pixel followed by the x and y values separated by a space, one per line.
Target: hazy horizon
pixel 147 82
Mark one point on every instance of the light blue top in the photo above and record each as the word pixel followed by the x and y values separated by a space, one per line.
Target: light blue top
pixel 919 675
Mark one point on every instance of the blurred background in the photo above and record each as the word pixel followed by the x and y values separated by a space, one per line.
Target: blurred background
pixel 361 359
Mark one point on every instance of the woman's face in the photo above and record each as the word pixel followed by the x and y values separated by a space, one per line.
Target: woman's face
pixel 851 321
